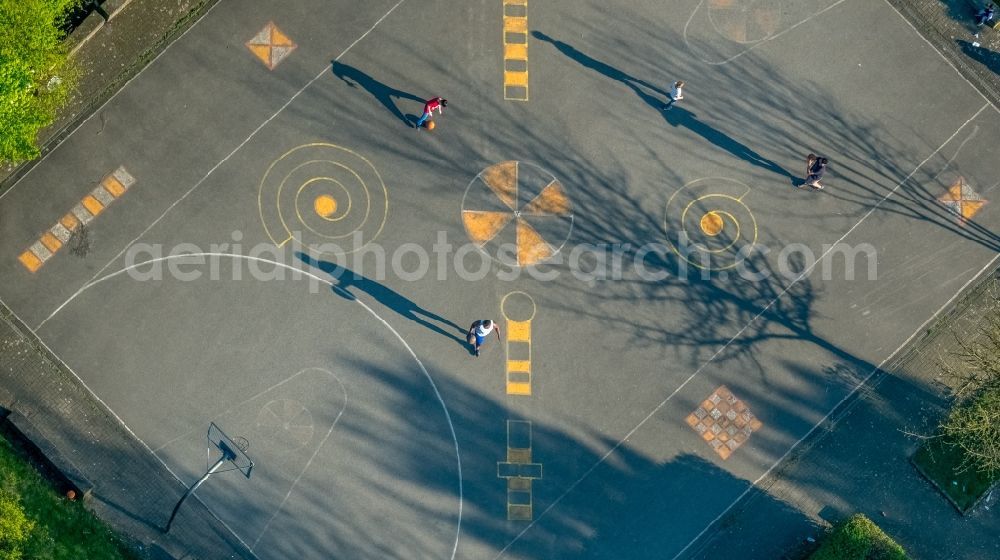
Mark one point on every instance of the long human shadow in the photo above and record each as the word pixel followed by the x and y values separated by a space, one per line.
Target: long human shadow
pixel 386 95
pixel 676 116
pixel 986 57
pixel 679 116
pixel 610 71
pixel 347 278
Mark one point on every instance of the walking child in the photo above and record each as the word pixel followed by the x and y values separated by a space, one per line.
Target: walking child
pixel 676 94
pixel 482 329
pixel 436 103
pixel 815 169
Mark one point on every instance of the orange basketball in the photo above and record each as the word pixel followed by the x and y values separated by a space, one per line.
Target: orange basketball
pixel 430 125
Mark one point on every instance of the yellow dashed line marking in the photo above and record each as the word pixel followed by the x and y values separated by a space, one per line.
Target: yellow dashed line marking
pixel 515 50
pixel 516 312
pixel 92 205
pixel 69 221
pixel 112 186
pixel 30 261
pixel 515 24
pixel 50 242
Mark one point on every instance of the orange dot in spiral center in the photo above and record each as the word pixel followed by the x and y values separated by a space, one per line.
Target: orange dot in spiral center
pixel 325 205
pixel 711 223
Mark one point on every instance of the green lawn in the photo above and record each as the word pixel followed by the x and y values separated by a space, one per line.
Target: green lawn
pixel 939 461
pixel 858 538
pixel 62 529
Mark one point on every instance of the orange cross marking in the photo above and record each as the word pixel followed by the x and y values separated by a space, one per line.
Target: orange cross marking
pixel 962 200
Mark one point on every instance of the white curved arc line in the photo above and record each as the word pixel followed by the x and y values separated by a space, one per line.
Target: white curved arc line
pixel 755 45
pixel 245 142
pixel 427 375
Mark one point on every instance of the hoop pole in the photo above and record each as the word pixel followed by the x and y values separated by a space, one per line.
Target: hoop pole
pixel 191 490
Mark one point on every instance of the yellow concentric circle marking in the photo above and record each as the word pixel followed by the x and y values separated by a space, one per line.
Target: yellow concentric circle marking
pixel 711 223
pixel 708 224
pixel 320 194
pixel 331 200
pixel 325 205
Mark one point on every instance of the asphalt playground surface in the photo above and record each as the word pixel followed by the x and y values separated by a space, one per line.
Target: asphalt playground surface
pixel 375 432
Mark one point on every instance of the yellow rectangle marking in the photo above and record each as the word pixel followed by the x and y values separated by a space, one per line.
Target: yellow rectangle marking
pixel 519 331
pixel 50 242
pixel 69 221
pixel 515 79
pixel 523 366
pixel 515 51
pixel 92 204
pixel 519 389
pixel 516 2
pixel 515 24
pixel 30 261
pixel 113 186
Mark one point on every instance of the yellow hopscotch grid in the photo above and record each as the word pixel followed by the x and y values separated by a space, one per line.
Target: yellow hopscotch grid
pixel 519 471
pixel 112 186
pixel 515 50
pixel 519 368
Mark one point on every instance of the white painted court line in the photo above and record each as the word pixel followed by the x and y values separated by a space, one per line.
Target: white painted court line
pixel 755 45
pixel 805 273
pixel 125 426
pixel 941 54
pixel 895 352
pixel 326 68
pixel 406 345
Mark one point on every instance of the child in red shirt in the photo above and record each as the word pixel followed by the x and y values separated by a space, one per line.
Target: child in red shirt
pixel 436 103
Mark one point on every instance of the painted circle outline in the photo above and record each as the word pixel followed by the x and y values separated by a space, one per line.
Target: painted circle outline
pixel 736 222
pixel 689 186
pixel 516 213
pixel 503 302
pixel 281 187
pixel 289 235
pixel 282 428
pixel 347 194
